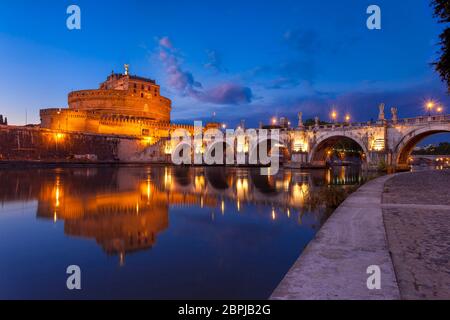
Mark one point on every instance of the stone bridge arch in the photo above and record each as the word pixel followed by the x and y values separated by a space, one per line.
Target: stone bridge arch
pixel 318 150
pixel 221 145
pixel 405 146
pixel 283 148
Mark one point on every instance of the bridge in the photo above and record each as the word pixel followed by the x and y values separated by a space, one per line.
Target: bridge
pixel 386 143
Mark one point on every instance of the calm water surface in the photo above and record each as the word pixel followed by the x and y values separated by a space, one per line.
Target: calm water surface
pixel 158 232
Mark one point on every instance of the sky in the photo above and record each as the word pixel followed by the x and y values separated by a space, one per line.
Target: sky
pixel 243 59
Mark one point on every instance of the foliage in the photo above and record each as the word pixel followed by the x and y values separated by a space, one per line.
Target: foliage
pixel 442 66
pixel 442 149
pixel 312 122
pixel 382 166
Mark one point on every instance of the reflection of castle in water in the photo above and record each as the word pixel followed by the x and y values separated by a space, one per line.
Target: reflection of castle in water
pixel 125 209
pixel 120 222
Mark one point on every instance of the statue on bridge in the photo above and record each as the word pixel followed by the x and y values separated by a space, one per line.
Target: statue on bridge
pixel 300 120
pixel 381 116
pixel 394 112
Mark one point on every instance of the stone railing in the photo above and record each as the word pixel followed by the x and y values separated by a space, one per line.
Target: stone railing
pixel 423 119
pixel 357 125
pixel 343 126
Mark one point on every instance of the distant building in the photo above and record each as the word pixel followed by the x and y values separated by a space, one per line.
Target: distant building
pixel 123 105
pixel 3 121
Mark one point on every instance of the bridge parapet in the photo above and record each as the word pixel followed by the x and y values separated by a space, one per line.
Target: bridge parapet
pixel 351 126
pixel 424 119
pixel 359 125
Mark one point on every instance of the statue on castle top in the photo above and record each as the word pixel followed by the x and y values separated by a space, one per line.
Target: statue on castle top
pixel 127 69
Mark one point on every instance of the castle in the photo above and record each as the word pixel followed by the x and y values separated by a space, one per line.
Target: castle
pixel 123 105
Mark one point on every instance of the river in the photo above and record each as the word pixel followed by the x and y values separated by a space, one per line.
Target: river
pixel 160 232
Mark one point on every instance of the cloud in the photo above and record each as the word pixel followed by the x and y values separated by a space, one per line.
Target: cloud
pixel 184 82
pixel 165 42
pixel 360 102
pixel 307 48
pixel 306 41
pixel 295 71
pixel 363 103
pixel 214 61
pixel 228 93
pixel 285 75
pixel 300 65
pixel 179 79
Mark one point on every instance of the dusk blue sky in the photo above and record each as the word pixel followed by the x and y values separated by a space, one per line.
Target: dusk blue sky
pixel 244 59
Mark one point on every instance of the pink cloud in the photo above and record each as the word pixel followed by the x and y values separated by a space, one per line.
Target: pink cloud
pixel 228 93
pixel 165 43
pixel 185 83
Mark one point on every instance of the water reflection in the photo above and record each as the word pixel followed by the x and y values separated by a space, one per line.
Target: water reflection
pixel 126 210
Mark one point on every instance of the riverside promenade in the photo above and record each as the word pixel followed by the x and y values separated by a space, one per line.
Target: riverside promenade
pixel 400 223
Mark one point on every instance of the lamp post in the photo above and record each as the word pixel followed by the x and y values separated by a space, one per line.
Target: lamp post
pixel 334 116
pixel 429 105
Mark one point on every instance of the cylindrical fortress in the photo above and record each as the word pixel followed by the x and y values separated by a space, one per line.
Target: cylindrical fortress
pixel 122 105
pixel 139 104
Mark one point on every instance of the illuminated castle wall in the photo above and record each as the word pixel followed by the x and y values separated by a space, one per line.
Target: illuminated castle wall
pixel 123 105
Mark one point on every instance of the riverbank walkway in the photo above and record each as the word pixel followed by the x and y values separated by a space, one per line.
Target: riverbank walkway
pixel 400 223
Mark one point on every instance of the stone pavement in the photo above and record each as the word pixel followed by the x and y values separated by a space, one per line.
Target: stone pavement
pixel 334 265
pixel 416 211
pixel 400 223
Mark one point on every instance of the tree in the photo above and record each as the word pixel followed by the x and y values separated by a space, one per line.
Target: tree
pixel 312 122
pixel 442 66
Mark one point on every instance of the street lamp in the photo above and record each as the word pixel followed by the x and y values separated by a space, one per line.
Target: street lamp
pixel 274 121
pixel 334 115
pixel 429 105
pixel 347 118
pixel 439 109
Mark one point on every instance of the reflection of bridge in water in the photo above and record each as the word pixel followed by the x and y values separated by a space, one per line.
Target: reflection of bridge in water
pixel 125 209
pixel 287 189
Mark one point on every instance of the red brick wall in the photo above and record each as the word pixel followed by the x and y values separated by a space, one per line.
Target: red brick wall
pixel 18 143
